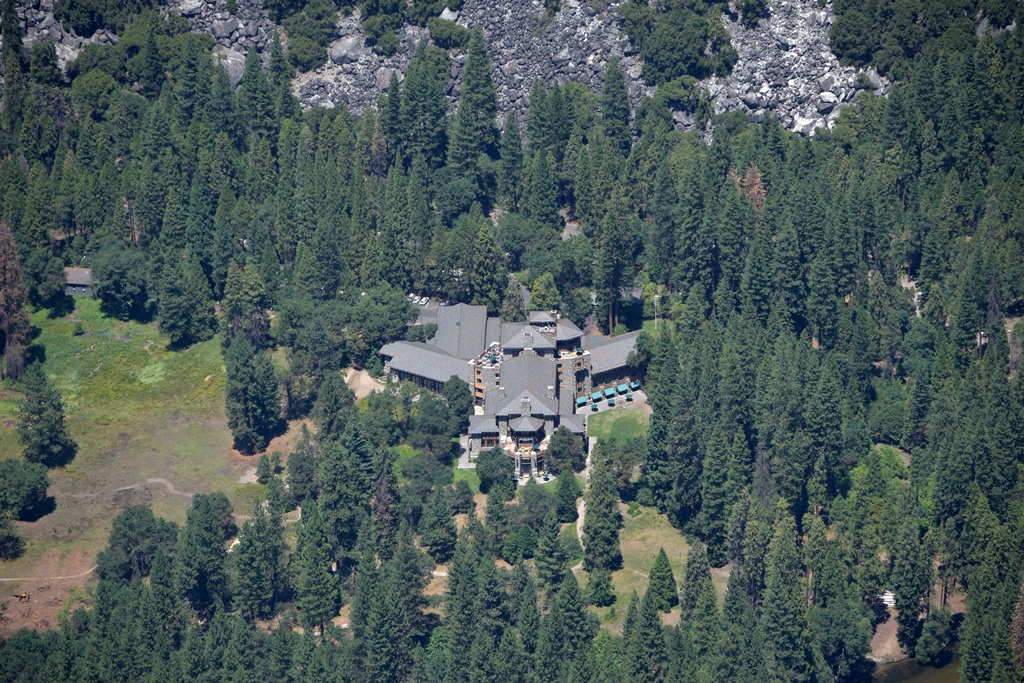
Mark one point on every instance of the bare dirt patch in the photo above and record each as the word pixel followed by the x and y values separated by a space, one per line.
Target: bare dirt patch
pixel 361 383
pixel 884 646
pixel 59 576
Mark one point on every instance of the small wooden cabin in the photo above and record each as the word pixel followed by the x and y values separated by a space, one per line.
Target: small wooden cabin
pixel 79 281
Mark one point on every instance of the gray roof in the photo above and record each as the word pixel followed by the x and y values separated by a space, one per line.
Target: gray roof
pixel 461 330
pixel 493 332
pixel 522 336
pixel 566 329
pixel 512 404
pixel 482 424
pixel 528 372
pixel 426 361
pixel 541 317
pixel 79 276
pixel 609 353
pixel 574 423
pixel 526 424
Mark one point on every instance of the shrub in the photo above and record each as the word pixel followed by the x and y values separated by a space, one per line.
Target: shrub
pixel 494 468
pixel 448 34
pixel 304 54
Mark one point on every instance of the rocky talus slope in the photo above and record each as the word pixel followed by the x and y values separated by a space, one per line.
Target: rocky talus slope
pixel 787 70
pixel 785 67
pixel 524 45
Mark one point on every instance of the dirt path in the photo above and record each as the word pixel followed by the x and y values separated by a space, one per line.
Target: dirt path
pixel 142 484
pixel 581 507
pixel 51 578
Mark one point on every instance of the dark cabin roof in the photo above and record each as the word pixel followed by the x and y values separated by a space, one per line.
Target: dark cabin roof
pixel 541 317
pixel 576 423
pixel 528 372
pixel 609 353
pixel 79 277
pixel 426 361
pixel 482 424
pixel 461 330
pixel 512 404
pixel 525 424
pixel 521 336
pixel 566 329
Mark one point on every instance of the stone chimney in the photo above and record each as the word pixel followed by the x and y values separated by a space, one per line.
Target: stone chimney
pixel 551 392
pixel 524 407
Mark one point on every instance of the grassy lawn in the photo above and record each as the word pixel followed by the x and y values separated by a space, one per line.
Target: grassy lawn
pixel 640 539
pixel 470 476
pixel 137 411
pixel 623 423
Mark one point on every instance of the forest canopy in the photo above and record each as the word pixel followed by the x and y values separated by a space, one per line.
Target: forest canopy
pixel 834 376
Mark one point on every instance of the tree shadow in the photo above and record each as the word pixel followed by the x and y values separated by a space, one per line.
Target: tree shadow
pixel 61 306
pixel 45 507
pixel 35 351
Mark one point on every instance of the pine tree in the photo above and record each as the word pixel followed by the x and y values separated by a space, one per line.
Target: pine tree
pixel 334 404
pixel 540 203
pixel 315 588
pixel 496 516
pixel 460 604
pixel 529 618
pixel 613 245
pixel 549 655
pixel 741 646
pixel 707 627
pixel 567 490
pixel 782 608
pixel 200 559
pixel 571 609
pixel 646 654
pixel 199 222
pixel 14 324
pixel 437 527
pixel 664 224
pixel 487 275
pixel 13 64
pixel 549 554
pixel 698 572
pixel 342 492
pixel 823 429
pixel 599 589
pixel 252 404
pixel 615 107
pixel 186 308
pixel 662 585
pixel 424 104
pixel 151 74
pixel 911 575
pixel 463 146
pixel 384 503
pixel 386 640
pixel 42 428
pixel 256 102
pixel 601 526
pixel 260 554
pixel 510 171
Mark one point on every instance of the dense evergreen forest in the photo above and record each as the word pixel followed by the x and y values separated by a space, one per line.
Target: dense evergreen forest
pixel 819 297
